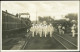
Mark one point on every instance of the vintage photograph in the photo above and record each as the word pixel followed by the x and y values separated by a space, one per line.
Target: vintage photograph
pixel 40 25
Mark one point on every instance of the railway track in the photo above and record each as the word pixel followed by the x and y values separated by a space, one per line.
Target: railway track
pixel 25 46
pixel 70 38
pixel 26 42
pixel 59 42
pixel 52 42
pixel 66 43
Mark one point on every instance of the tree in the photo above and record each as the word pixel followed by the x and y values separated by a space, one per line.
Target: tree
pixel 48 19
pixel 72 16
pixel 40 18
pixel 73 19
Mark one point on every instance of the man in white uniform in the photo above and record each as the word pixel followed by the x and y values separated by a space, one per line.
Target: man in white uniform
pixel 32 30
pixel 73 30
pixel 45 30
pixel 36 29
pixel 59 29
pixel 40 30
pixel 50 29
pixel 63 29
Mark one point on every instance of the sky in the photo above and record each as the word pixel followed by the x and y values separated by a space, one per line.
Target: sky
pixel 41 8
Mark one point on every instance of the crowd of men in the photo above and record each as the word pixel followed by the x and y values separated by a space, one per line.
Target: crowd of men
pixel 42 30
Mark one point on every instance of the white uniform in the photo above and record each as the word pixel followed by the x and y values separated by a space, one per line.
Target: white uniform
pixel 60 30
pixel 36 29
pixel 45 30
pixel 50 30
pixel 32 30
pixel 73 31
pixel 63 28
pixel 40 30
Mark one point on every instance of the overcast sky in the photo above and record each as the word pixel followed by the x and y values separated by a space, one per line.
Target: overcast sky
pixel 43 8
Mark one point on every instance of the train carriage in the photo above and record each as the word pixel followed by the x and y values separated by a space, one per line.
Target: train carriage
pixel 13 24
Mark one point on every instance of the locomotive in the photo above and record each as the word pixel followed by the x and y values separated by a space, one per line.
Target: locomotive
pixel 14 23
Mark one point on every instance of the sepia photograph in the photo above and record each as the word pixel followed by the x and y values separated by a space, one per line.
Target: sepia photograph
pixel 40 25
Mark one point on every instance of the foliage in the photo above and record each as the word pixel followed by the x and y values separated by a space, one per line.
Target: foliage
pixel 48 19
pixel 72 16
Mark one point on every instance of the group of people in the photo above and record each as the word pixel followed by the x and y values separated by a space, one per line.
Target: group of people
pixel 42 30
pixel 61 29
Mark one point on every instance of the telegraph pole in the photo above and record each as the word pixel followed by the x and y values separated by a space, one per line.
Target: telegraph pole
pixel 36 15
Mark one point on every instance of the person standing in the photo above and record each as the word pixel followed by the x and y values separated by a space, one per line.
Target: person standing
pixel 73 30
pixel 51 30
pixel 32 30
pixel 45 30
pixel 36 29
pixel 40 30
pixel 59 29
pixel 63 30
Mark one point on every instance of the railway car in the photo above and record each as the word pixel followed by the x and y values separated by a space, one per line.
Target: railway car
pixel 12 24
